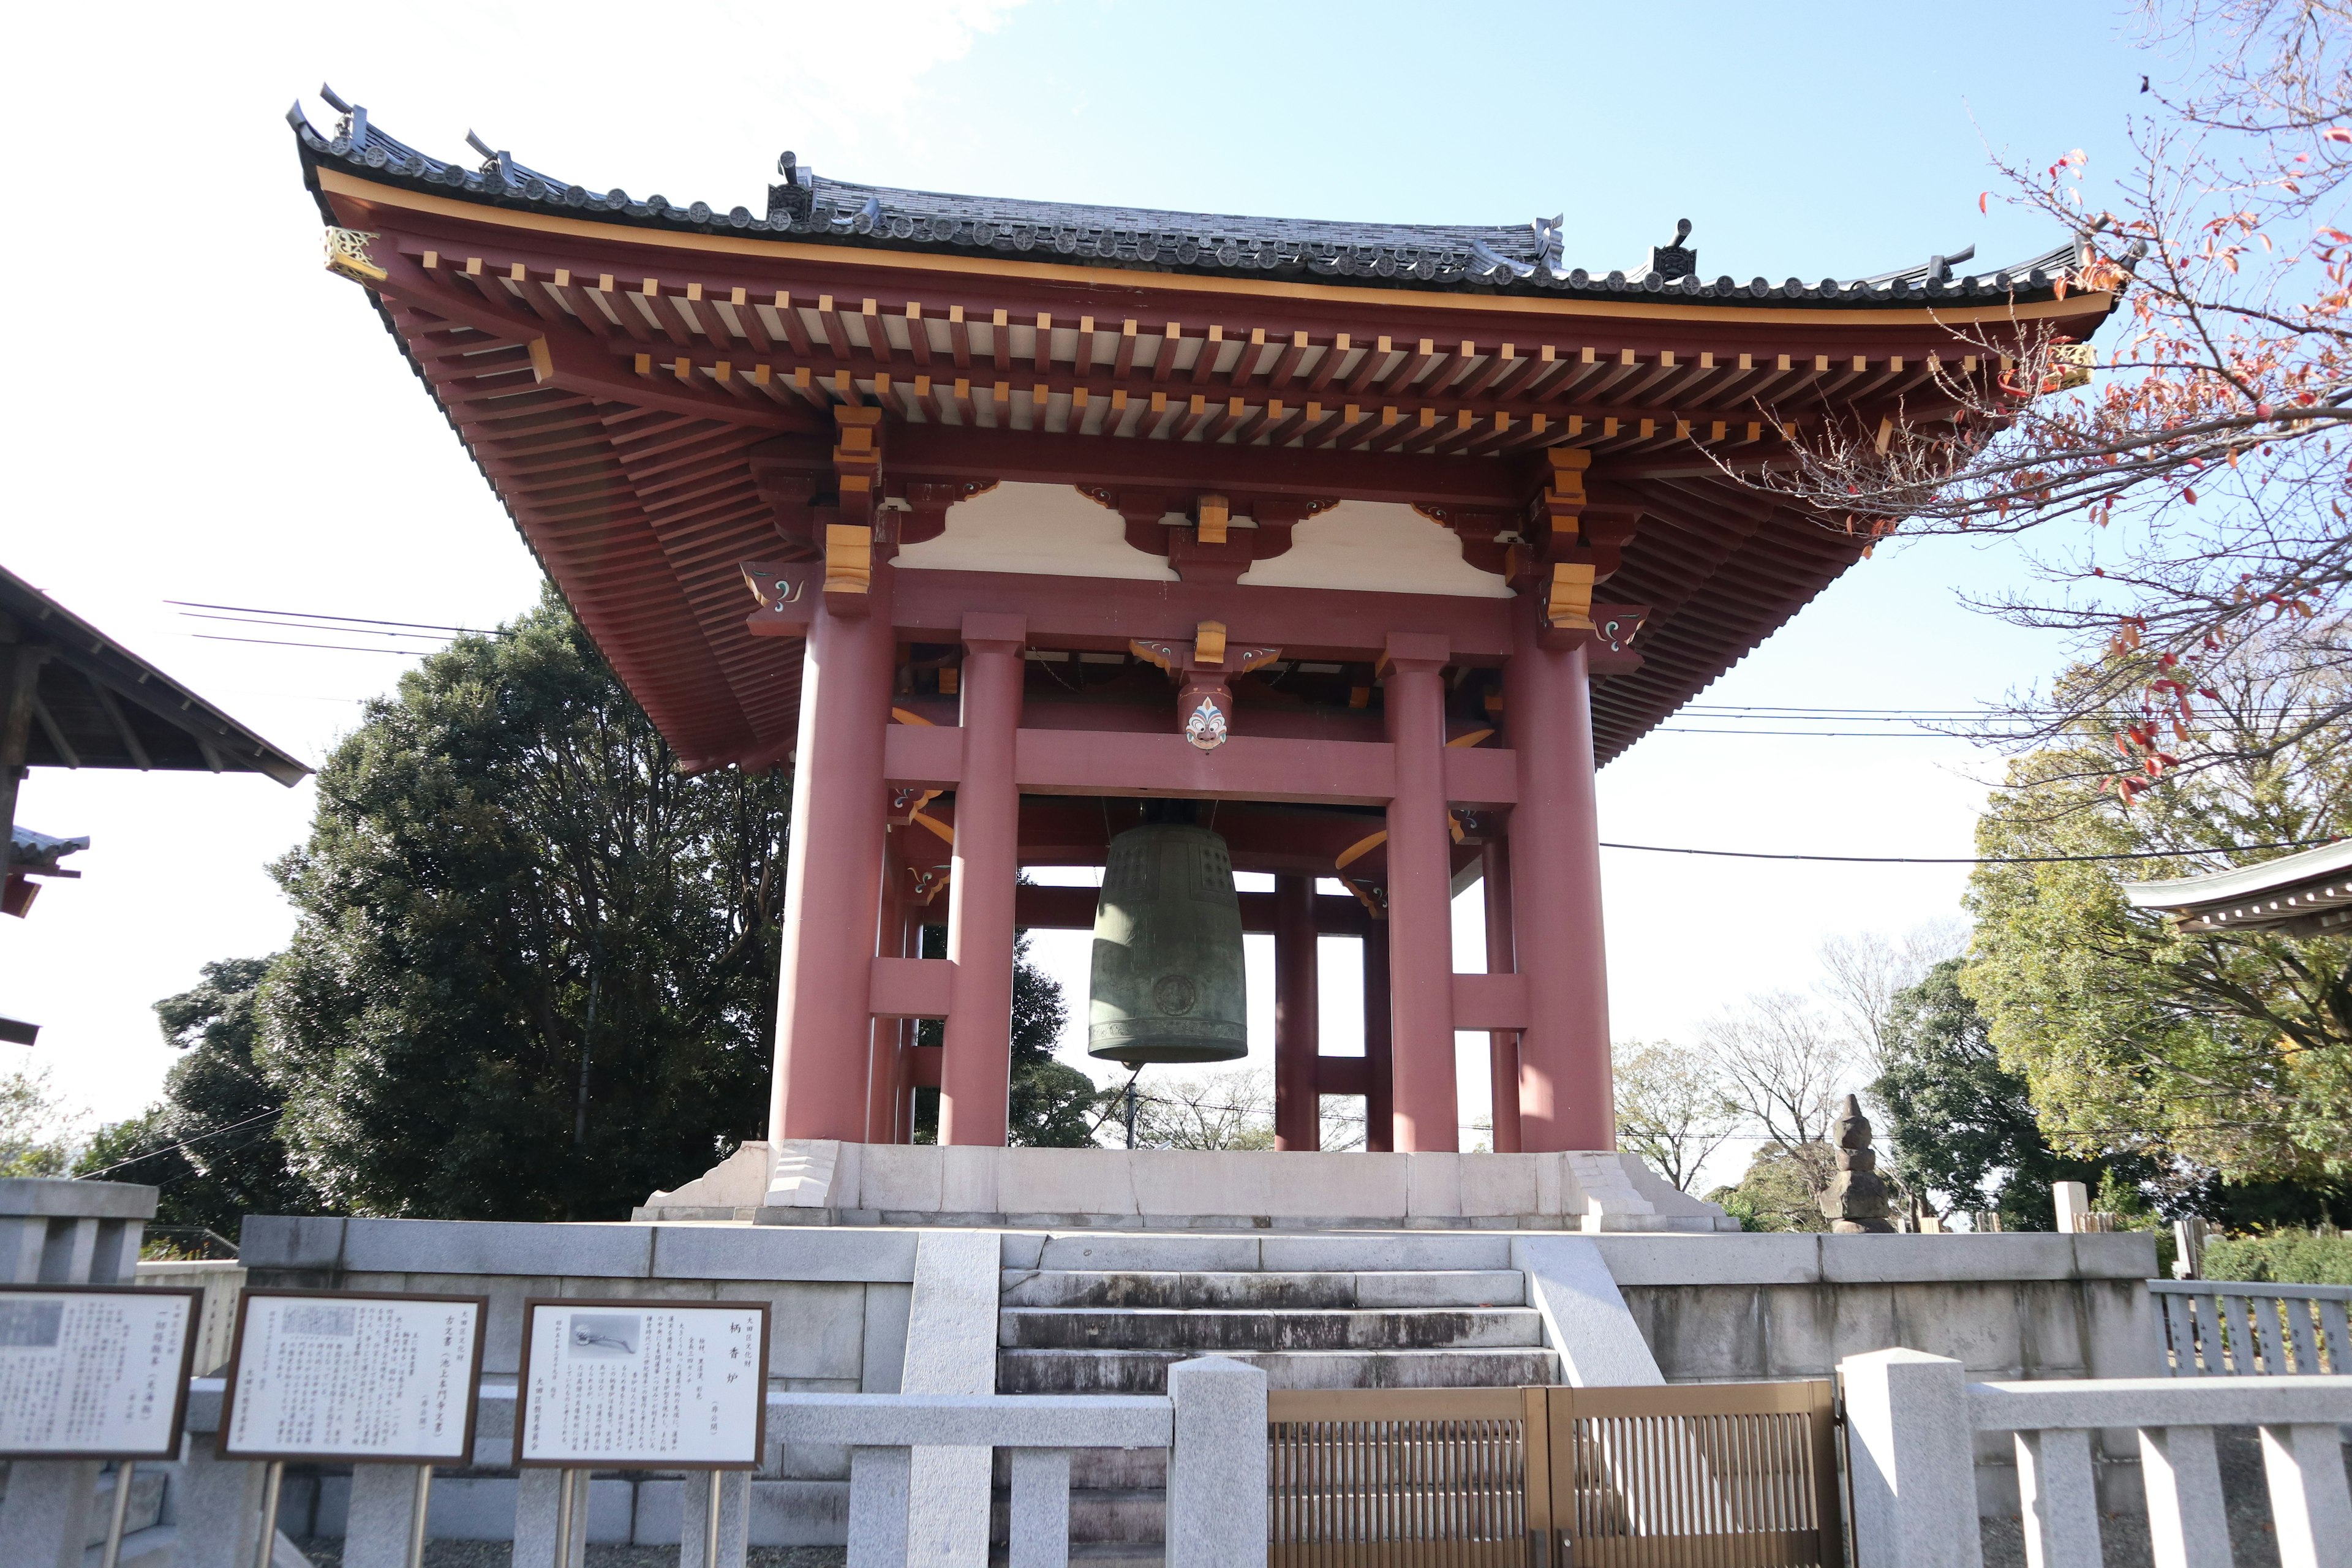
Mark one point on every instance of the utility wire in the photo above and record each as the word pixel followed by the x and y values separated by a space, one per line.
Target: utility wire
pixel 214 1132
pixel 321 615
pixel 1969 859
pixel 331 647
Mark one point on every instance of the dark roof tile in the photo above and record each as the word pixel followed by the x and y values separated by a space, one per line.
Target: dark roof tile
pixel 1524 259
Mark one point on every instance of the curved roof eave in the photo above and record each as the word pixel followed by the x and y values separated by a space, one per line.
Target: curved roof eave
pixel 1521 261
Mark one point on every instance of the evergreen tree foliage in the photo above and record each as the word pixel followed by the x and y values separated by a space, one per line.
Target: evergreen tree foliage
pixel 534 973
pixel 211 1147
pixel 1960 1125
pixel 2213 1054
pixel 534 976
pixel 1051 1104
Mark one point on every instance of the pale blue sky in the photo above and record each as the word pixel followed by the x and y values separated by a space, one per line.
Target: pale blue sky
pixel 199 411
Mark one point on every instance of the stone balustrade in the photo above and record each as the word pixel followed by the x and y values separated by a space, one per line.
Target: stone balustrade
pixel 1912 1420
pixel 2233 1327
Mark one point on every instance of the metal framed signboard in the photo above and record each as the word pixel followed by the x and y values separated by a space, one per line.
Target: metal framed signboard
pixel 334 1375
pixel 94 1372
pixel 681 1385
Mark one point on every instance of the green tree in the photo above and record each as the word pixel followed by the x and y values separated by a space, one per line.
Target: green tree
pixel 1780 1190
pixel 36 1130
pixel 211 1146
pixel 2225 1055
pixel 1960 1125
pixel 1050 1105
pixel 533 975
pixel 1674 1108
pixel 1053 1103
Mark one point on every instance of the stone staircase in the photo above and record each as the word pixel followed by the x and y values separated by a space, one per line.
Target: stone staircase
pixel 1109 1314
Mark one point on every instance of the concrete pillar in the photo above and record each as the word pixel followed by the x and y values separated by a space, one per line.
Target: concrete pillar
pixel 1565 1101
pixel 388 1505
pixel 975 1074
pixel 1217 1465
pixel 952 1325
pixel 734 1518
pixel 833 884
pixel 45 1521
pixel 1502 958
pixel 1379 1061
pixel 1297 1036
pixel 1421 896
pixel 1912 1461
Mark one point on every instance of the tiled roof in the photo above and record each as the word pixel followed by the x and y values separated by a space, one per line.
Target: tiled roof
pixel 1525 259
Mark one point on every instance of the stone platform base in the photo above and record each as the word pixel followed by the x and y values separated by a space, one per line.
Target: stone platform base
pixel 821 1182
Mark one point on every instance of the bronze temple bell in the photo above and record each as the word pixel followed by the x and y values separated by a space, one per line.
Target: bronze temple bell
pixel 1168 984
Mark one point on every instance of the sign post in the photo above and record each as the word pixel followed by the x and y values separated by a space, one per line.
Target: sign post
pixel 386 1383
pixel 88 1373
pixel 641 1385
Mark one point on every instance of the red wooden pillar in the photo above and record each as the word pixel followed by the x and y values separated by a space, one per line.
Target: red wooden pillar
pixel 889 1036
pixel 975 1070
pixel 1565 1101
pixel 833 884
pixel 1421 895
pixel 1298 1035
pixel 1380 1096
pixel 1502 1045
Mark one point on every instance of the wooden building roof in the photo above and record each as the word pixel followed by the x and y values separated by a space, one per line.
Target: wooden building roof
pixel 2305 894
pixel 622 370
pixel 96 704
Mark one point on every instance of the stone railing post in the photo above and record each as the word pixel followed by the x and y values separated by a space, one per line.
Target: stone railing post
pixel 1912 1452
pixel 1217 1466
pixel 2310 1503
pixel 58 1232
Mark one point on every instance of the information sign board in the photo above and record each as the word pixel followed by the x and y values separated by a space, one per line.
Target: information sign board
pixel 329 1375
pixel 673 1384
pixel 94 1372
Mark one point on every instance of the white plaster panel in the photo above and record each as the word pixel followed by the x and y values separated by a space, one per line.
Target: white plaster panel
pixel 1383 547
pixel 1035 530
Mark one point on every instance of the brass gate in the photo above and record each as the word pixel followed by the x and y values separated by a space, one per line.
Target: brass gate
pixel 1741 1474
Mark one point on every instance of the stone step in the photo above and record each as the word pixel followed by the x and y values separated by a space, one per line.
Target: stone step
pixel 1146 1371
pixel 1197 1330
pixel 1260 1288
pixel 1197 1253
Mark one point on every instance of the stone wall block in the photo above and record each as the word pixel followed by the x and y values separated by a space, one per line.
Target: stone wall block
pixel 782 1252
pixel 883 1360
pixel 481 1246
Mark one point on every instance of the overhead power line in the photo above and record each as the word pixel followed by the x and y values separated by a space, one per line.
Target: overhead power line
pixel 321 615
pixel 183 1143
pixel 1968 860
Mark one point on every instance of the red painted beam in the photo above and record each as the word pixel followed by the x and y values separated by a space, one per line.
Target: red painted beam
pixel 1490 1002
pixel 923 450
pixel 1107 614
pixel 910 987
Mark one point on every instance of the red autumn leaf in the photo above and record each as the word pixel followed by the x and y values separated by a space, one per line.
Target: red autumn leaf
pixel 2335 133
pixel 2207 693
pixel 2188 495
pixel 1984 196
